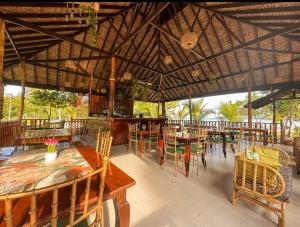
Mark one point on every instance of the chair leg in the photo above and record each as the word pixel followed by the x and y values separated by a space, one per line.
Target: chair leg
pixel 234 197
pixel 129 146
pixel 102 216
pixel 176 162
pixel 281 220
pixel 197 164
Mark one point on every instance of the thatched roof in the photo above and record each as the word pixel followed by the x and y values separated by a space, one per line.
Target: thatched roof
pixel 235 40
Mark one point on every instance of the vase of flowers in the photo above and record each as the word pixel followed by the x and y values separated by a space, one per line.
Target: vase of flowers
pixel 51 149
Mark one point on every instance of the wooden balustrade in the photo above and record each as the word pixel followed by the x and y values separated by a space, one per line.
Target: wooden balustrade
pixel 76 126
pixel 273 131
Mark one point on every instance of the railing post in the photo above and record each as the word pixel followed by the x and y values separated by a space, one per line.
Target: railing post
pixel 282 132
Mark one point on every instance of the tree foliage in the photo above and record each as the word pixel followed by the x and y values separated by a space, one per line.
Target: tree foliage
pixel 230 111
pixel 199 110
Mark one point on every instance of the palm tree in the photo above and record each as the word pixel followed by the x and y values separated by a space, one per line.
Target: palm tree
pixel 147 108
pixel 176 110
pixel 199 111
pixel 230 111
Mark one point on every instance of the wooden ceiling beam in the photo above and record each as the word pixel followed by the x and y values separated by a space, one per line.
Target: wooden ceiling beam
pixel 13 44
pixel 142 26
pixel 260 49
pixel 282 9
pixel 248 71
pixel 241 46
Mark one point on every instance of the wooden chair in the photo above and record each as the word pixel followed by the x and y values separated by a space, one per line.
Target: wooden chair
pixel 233 140
pixel 153 137
pixel 262 184
pixel 198 148
pixel 133 136
pixel 215 140
pixel 103 145
pixel 64 198
pixel 172 147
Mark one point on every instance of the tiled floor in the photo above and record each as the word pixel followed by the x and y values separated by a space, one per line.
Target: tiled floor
pixel 159 199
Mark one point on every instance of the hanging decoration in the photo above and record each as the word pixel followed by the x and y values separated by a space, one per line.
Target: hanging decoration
pixel 195 73
pixel 89 11
pixel 103 90
pixel 189 40
pixel 127 76
pixel 212 79
pixel 168 59
pixel 140 90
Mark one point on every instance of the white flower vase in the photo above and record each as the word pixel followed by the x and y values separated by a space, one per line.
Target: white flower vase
pixel 50 156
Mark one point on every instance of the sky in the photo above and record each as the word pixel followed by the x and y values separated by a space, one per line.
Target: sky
pixel 212 101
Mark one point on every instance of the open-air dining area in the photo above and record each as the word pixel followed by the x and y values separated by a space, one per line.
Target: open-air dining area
pixel 151 114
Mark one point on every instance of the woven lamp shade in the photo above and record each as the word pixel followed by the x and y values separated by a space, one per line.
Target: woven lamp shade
pixel 189 40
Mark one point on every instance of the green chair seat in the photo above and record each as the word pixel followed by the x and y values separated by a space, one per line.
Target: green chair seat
pixel 179 150
pixel 195 148
pixel 229 140
pixel 215 139
pixel 148 139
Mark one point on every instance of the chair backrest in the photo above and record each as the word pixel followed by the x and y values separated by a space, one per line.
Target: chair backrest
pixel 35 136
pixel 133 130
pixel 154 129
pixel 63 197
pixel 169 136
pixel 103 146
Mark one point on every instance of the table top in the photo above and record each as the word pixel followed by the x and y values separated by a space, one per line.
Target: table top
pixel 85 159
pixel 29 170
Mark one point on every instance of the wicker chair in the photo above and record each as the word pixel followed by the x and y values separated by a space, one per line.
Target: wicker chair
pixel 67 197
pixel 133 136
pixel 262 184
pixel 198 148
pixel 172 147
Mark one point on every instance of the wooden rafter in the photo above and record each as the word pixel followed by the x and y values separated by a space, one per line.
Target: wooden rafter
pixel 13 45
pixel 241 46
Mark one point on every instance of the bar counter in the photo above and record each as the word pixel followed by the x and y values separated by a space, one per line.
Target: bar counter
pixel 120 127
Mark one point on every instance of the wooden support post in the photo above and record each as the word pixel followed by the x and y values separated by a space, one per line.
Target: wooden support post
pixel 250 105
pixel 112 87
pixel 163 104
pixel 190 106
pixel 23 80
pixel 282 132
pixel 2 43
pixel 274 123
pixel 158 109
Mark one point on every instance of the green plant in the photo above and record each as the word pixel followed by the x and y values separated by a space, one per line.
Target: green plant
pixel 212 79
pixel 139 89
pixel 91 20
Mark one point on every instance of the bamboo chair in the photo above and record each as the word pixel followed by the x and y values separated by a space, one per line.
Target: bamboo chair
pixel 153 136
pixel 70 187
pixel 133 136
pixel 251 183
pixel 198 148
pixel 172 147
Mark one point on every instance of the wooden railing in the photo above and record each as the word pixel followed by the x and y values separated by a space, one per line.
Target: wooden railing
pixel 8 128
pixel 275 131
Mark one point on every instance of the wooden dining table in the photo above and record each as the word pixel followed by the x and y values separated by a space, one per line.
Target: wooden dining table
pixel 186 138
pixel 28 170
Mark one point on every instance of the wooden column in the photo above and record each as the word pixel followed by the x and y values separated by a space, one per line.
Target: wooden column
pixel 158 109
pixel 2 43
pixel 163 103
pixel 112 87
pixel 23 80
pixel 249 100
pixel 190 106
